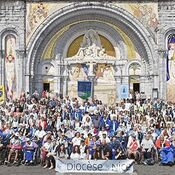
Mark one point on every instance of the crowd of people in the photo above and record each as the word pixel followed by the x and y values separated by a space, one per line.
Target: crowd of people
pixel 39 128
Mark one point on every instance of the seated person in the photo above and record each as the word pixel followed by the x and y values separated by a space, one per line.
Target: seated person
pixel 133 148
pixel 45 149
pixel 106 151
pixel 57 150
pixel 84 150
pixel 97 154
pixel 166 150
pixel 15 146
pixel 147 146
pixel 29 148
pixel 116 146
pixel 75 153
pixel 2 150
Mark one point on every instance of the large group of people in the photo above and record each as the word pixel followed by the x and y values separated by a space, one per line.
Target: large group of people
pixel 40 128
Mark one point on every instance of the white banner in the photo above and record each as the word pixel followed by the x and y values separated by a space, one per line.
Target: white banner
pixel 94 166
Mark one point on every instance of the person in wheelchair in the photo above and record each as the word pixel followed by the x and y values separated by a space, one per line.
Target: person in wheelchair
pixel 29 151
pixel 15 148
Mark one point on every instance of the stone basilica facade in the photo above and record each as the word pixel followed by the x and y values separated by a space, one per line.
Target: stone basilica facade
pixel 121 47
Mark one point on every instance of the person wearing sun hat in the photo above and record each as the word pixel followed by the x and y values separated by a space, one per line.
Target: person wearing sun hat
pixel 15 147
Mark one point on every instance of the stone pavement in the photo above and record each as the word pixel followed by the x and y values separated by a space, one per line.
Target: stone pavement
pixel 38 170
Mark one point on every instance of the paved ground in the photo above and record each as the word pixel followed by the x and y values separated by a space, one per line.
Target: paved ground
pixel 37 170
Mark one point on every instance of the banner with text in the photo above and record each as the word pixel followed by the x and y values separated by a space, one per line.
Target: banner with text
pixel 94 166
pixel 84 89
pixel 123 91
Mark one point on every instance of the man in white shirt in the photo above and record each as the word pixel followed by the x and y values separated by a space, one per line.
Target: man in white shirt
pixel 40 133
pixel 76 140
pixel 147 145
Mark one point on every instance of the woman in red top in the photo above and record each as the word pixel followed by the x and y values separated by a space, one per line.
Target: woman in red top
pixel 133 149
pixel 162 142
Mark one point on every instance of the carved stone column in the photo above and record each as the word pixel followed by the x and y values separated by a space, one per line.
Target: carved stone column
pixel 65 86
pixel 91 78
pixel 58 73
pixel 118 83
pixel 65 79
pixel 38 84
pixel 2 68
pixel 142 84
pixel 20 71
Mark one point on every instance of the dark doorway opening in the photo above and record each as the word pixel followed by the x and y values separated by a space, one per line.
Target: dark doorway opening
pixel 136 87
pixel 46 87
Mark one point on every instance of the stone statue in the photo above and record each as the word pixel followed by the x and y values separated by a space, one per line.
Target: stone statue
pixel 91 47
pixel 90 37
pixel 108 73
pixel 77 73
pixel 102 53
pixel 91 69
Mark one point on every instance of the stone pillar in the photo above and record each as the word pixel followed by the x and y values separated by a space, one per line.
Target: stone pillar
pixel 38 83
pixel 57 83
pixel 149 86
pixel 27 86
pixel 91 78
pixel 19 71
pixel 58 73
pixel 142 84
pixel 162 74
pixel 65 85
pixel 118 83
pixel 2 68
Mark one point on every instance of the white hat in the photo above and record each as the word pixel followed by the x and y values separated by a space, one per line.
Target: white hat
pixel 17 134
pixel 27 139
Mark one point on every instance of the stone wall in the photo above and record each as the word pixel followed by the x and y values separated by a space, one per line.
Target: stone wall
pixel 12 21
pixel 166 11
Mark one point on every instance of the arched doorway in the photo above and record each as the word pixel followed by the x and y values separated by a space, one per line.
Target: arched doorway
pixel 134 77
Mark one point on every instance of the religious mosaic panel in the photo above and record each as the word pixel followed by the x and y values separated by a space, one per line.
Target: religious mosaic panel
pixel 38 12
pixel 170 57
pixel 146 13
pixel 10 71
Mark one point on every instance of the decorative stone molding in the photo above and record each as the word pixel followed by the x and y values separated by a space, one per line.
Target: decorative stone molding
pixel 109 10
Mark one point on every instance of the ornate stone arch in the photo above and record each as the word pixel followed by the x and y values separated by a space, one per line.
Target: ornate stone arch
pixel 143 71
pixel 61 17
pixel 119 44
pixel 168 31
pixel 5 33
